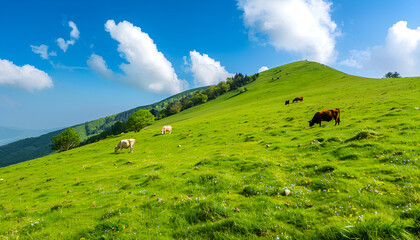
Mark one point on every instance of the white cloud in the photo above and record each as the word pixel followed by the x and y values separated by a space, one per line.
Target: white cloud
pixel 262 69
pixel 356 59
pixel 63 44
pixel 300 26
pixel 98 64
pixel 206 71
pixel 147 68
pixel 401 53
pixel 26 77
pixel 42 50
pixel 74 35
pixel 74 31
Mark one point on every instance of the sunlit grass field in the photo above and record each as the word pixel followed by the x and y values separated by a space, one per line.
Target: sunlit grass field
pixel 223 172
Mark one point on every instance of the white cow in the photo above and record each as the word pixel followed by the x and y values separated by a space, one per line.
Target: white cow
pixel 127 143
pixel 167 128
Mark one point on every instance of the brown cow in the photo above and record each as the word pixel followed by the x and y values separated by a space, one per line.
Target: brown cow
pixel 326 115
pixel 298 99
pixel 287 102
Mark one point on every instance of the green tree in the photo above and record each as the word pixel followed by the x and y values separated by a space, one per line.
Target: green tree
pixel 174 108
pixel 211 92
pixel 224 87
pixel 117 128
pixel 392 75
pixel 139 120
pixel 65 140
pixel 186 103
pixel 199 98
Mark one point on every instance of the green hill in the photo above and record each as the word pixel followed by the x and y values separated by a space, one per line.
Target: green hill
pixel 223 172
pixel 35 147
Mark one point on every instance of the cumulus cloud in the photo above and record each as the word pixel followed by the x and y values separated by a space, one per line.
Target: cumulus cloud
pixel 26 77
pixel 74 35
pixel 147 68
pixel 42 50
pixel 299 26
pixel 401 53
pixel 98 64
pixel 262 69
pixel 206 71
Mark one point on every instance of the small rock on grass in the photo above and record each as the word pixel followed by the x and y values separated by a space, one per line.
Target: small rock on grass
pixel 287 192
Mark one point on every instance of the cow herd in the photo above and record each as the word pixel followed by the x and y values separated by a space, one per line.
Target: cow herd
pixel 325 115
pixel 129 143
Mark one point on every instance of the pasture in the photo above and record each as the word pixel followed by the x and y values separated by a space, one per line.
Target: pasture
pixel 223 171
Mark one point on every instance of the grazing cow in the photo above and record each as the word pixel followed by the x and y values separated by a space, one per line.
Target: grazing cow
pixel 127 143
pixel 167 128
pixel 298 99
pixel 287 102
pixel 326 115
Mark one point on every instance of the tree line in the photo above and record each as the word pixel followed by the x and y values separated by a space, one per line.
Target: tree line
pixel 212 92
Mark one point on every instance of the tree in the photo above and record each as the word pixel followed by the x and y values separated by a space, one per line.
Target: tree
pixel 224 87
pixel 65 140
pixel 392 75
pixel 186 103
pixel 174 108
pixel 199 98
pixel 154 112
pixel 117 128
pixel 139 120
pixel 211 92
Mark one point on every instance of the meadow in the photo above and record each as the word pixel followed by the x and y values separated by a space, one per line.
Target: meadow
pixel 223 172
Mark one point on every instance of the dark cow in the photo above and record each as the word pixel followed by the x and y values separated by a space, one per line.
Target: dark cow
pixel 326 115
pixel 298 99
pixel 287 102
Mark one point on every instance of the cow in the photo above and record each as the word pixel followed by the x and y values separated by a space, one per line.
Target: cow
pixel 298 99
pixel 326 115
pixel 287 102
pixel 166 128
pixel 127 143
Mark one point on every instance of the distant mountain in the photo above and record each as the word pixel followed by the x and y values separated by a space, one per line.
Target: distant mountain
pixel 35 147
pixel 8 134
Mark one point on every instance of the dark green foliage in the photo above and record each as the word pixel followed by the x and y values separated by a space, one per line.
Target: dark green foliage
pixel 116 129
pixel 139 120
pixel 154 112
pixel 392 75
pixel 66 140
pixel 199 98
pixel 224 87
pixel 174 108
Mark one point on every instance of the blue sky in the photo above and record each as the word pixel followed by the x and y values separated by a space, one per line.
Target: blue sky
pixel 68 62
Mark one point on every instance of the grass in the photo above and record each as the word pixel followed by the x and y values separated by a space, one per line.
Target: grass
pixel 223 171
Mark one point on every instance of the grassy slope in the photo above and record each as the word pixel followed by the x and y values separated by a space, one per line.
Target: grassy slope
pixel 35 147
pixel 217 160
